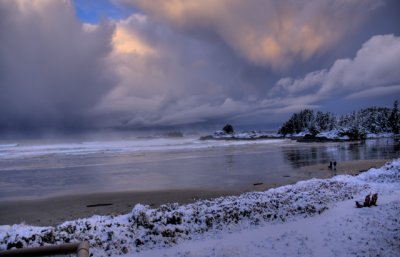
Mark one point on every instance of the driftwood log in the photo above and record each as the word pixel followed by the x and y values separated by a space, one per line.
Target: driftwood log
pixel 81 250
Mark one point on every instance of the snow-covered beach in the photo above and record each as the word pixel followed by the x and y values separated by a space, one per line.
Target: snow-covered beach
pixel 200 128
pixel 64 177
pixel 316 217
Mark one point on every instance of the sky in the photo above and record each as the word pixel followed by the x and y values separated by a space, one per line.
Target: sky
pixel 74 65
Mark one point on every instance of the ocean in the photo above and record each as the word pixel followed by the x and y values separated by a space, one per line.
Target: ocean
pixel 33 169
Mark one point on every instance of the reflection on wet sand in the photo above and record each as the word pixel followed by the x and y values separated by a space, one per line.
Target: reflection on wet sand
pixel 232 168
pixel 311 154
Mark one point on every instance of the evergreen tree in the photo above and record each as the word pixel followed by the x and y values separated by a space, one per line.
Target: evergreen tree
pixel 298 122
pixel 228 129
pixel 394 119
pixel 356 124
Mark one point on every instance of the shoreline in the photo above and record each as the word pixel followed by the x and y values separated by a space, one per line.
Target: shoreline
pixel 55 210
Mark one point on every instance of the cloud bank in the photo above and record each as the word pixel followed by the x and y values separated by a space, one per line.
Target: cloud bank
pixel 370 73
pixel 269 33
pixel 178 63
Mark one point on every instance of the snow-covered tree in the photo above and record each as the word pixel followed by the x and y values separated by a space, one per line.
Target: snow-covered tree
pixel 394 119
pixel 356 124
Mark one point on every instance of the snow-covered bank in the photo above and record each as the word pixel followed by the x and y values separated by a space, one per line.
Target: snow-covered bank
pixel 249 135
pixel 340 231
pixel 252 224
pixel 304 136
pixel 337 135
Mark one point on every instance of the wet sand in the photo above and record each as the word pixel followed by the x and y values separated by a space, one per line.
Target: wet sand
pixel 55 210
pixel 349 167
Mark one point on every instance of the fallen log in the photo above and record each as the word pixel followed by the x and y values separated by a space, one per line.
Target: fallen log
pixel 81 249
pixel 99 205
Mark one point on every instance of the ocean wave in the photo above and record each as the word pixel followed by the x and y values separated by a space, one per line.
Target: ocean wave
pixel 121 146
pixel 8 145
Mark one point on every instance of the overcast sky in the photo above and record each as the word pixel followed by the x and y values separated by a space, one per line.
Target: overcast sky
pixel 86 64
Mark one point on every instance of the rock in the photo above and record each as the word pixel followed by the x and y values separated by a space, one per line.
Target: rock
pixel 209 137
pixel 168 233
pixel 124 250
pixel 14 245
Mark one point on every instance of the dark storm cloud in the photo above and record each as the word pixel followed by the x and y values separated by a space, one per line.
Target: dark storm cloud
pixel 179 62
pixel 170 79
pixel 274 34
pixel 221 59
pixel 52 67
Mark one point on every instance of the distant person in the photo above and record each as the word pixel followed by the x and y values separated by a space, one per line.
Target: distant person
pixel 330 165
pixel 334 165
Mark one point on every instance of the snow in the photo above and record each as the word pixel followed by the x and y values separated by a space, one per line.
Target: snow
pixel 250 135
pixel 331 134
pixel 335 134
pixel 372 122
pixel 300 134
pixel 316 217
pixel 380 135
pixel 340 231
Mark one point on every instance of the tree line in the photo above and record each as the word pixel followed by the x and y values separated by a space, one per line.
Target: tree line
pixel 356 124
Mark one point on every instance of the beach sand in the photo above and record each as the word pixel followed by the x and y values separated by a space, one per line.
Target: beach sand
pixel 353 167
pixel 55 210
